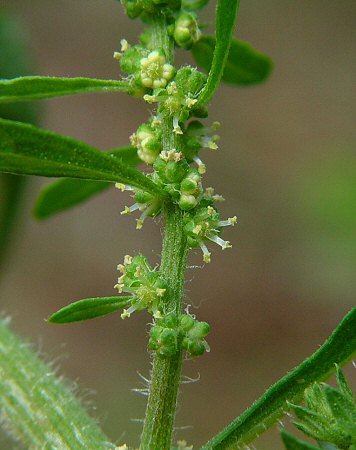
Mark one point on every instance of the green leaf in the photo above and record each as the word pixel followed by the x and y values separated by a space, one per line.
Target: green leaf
pixel 244 66
pixel 27 150
pixel 36 87
pixel 344 386
pixel 89 308
pixel 38 408
pixel 68 192
pixel 226 12
pixel 343 411
pixel 338 349
pixel 292 443
pixel 312 423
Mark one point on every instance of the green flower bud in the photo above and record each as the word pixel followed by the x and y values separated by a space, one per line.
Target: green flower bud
pixel 153 344
pixel 187 202
pixel 190 189
pixel 186 31
pixel 170 167
pixel 199 330
pixel 133 8
pixel 186 322
pixel 169 321
pixel 164 341
pixel 185 343
pixel 188 186
pixel 168 337
pixel 196 348
pixel 175 171
pixel 155 332
pixel 148 143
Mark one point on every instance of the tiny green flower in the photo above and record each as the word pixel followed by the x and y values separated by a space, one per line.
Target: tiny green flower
pixel 144 284
pixel 147 139
pixel 204 224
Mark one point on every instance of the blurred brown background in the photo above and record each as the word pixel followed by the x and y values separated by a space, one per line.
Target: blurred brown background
pixel 287 168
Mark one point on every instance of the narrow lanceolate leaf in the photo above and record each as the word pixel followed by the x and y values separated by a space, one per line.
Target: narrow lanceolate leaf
pixel 344 386
pixel 37 408
pixel 244 65
pixel 27 150
pixel 226 12
pixel 292 443
pixel 89 308
pixel 68 192
pixel 36 87
pixel 338 349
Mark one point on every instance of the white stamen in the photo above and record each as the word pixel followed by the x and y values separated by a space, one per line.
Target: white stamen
pixel 190 102
pixel 131 209
pixel 201 165
pixel 124 45
pixel 218 198
pixel 150 99
pixel 176 128
pixel 211 210
pixel 125 314
pixel 127 260
pixel 223 244
pixel 206 253
pixel 231 221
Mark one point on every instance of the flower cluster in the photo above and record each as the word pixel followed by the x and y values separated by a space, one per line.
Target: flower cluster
pixel 177 171
pixel 171 333
pixel 204 223
pixel 178 99
pixel 155 72
pixel 146 285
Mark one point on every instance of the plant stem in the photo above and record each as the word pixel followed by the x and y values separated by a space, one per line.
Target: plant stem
pixel 162 401
pixel 164 385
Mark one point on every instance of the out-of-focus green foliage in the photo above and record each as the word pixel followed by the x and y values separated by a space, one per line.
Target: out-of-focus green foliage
pixel 14 61
pixel 244 65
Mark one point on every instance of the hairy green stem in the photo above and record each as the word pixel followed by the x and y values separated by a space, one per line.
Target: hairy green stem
pixel 37 408
pixel 164 384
